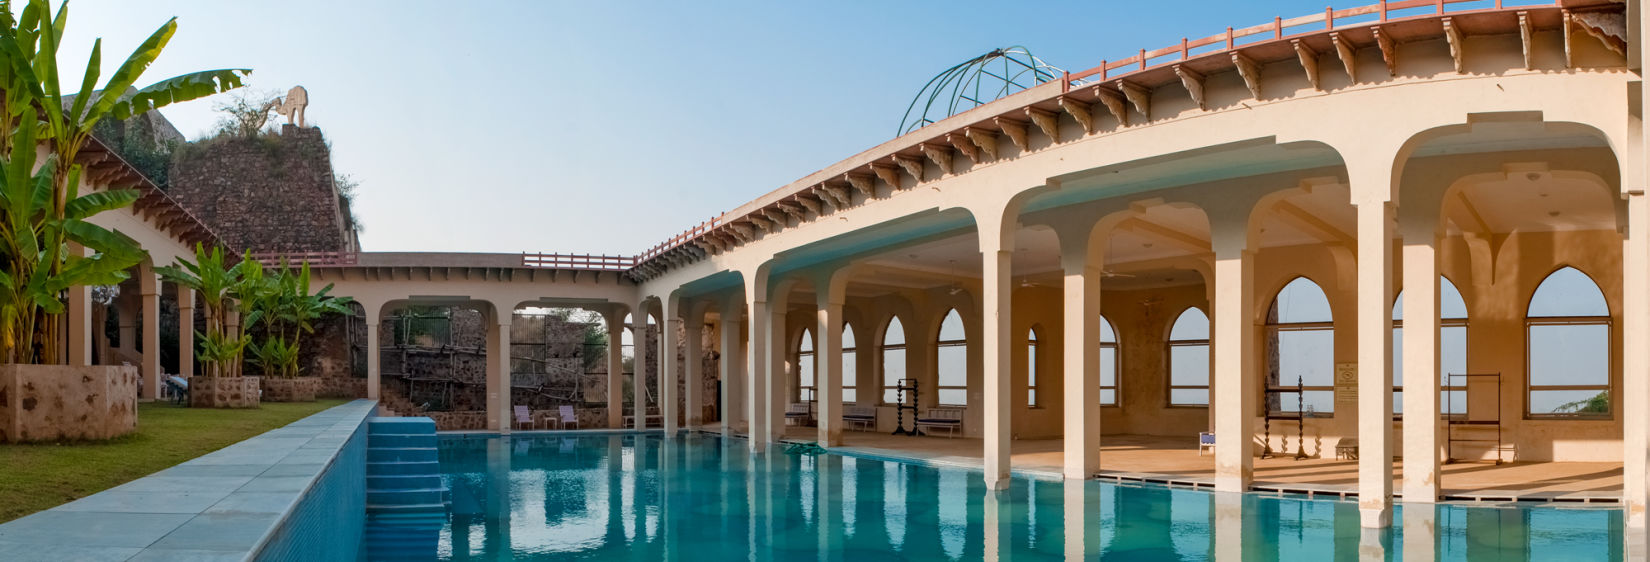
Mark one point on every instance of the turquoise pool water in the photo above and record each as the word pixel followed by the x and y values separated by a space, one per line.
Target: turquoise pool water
pixel 641 497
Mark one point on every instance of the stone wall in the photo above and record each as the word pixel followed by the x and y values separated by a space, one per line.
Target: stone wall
pixel 271 193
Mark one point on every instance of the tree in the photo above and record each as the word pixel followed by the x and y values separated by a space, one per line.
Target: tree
pixel 41 208
pixel 246 112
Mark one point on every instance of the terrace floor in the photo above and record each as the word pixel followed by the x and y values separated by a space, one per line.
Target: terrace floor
pixel 1176 460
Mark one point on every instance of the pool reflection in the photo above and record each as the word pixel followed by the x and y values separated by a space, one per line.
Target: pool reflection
pixel 642 497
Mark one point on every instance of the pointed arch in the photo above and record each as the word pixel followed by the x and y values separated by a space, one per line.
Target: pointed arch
pixel 1031 367
pixel 806 376
pixel 1110 362
pixel 850 360
pixel 1300 346
pixel 1567 330
pixel 1452 349
pixel 951 360
pixel 893 359
pixel 1188 356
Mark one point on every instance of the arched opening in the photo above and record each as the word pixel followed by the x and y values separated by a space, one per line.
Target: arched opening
pixel 951 350
pixel 1452 349
pixel 806 373
pixel 1189 359
pixel 850 380
pixel 1031 368
pixel 893 360
pixel 1300 348
pixel 1110 363
pixel 1567 327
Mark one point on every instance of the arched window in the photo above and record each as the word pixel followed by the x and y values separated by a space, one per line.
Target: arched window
pixel 1189 359
pixel 951 350
pixel 1300 340
pixel 1109 363
pixel 1031 368
pixel 893 360
pixel 1452 350
pixel 850 381
pixel 1568 326
pixel 806 373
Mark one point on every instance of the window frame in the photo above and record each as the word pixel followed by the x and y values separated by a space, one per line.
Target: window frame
pixel 853 351
pixel 1607 321
pixel 1031 369
pixel 941 345
pixel 1274 330
pixel 1168 362
pixel 1116 365
pixel 883 347
pixel 812 354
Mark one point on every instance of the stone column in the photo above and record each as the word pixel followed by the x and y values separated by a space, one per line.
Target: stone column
pixel 1082 361
pixel 615 368
pixel 149 291
pixel 732 360
pixel 78 321
pixel 757 369
pixel 773 411
pixel 500 416
pixel 1421 365
pixel 1375 363
pixel 693 367
pixel 1234 365
pixel 669 369
pixel 828 366
pixel 997 336
pixel 374 351
pixel 1635 377
pixel 186 332
pixel 127 306
pixel 639 352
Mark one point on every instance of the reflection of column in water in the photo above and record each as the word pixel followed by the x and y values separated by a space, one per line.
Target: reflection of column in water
pixel 498 496
pixel 999 514
pixel 1420 523
pixel 828 472
pixel 1078 545
pixel 667 465
pixel 1372 544
pixel 1229 526
pixel 615 499
pixel 893 503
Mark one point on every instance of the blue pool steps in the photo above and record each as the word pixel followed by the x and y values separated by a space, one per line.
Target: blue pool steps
pixel 404 471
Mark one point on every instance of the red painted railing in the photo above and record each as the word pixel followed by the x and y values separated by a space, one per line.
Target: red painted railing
pixel 578 261
pixel 313 258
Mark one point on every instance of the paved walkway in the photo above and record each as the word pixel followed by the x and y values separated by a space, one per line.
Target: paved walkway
pixel 1155 458
pixel 221 506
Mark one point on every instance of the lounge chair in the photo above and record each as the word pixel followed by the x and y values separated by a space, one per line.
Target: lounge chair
pixel 1205 442
pixel 863 418
pixel 178 387
pixel 524 416
pixel 567 417
pixel 801 412
pixel 949 418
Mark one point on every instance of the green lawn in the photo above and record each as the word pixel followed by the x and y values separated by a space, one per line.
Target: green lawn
pixel 37 477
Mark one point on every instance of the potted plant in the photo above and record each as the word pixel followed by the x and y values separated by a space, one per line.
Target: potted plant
pixel 43 211
pixel 224 289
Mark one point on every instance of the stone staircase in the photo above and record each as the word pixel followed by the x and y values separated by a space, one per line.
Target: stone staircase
pixel 404 489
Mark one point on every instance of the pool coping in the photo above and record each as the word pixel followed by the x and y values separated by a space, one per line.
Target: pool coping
pixel 224 505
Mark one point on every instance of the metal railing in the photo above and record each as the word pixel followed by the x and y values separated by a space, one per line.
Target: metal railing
pixel 314 259
pixel 1279 29
pixel 578 261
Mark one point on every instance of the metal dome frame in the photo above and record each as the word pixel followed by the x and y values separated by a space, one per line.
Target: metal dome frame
pixel 974 79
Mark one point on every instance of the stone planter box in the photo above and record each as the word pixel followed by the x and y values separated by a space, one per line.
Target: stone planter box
pixel 224 392
pixel 63 402
pixel 301 389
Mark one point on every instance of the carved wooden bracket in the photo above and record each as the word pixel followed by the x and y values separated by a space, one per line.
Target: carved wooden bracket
pixel 778 219
pixel 1139 96
pixel 1114 103
pixel 1080 112
pixel 1610 28
pixel 939 155
pixel 1389 50
pixel 812 205
pixel 1309 61
pixel 866 185
pixel 1193 81
pixel 792 209
pixel 912 165
pixel 1046 120
pixel 1348 54
pixel 1250 72
pixel 835 195
pixel 1016 131
pixel 1457 49
pixel 962 144
pixel 986 139
pixel 1526 32
pixel 890 174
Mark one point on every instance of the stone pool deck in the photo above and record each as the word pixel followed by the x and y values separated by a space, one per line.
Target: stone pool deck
pixel 225 505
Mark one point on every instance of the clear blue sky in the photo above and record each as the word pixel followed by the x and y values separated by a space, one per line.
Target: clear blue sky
pixel 607 126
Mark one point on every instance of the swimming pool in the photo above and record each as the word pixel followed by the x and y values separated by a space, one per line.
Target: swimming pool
pixel 639 496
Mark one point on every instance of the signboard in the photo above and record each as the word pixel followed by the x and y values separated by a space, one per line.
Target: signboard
pixel 1346 383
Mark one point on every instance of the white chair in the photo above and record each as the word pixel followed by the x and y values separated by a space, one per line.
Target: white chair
pixel 1205 442
pixel 524 416
pixel 863 418
pixel 567 416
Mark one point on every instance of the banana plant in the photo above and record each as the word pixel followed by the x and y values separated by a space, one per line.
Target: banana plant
pixel 212 278
pixel 43 210
pixel 276 357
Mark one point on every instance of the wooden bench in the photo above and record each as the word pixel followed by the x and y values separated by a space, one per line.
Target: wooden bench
pixel 949 418
pixel 1346 448
pixel 863 418
pixel 800 412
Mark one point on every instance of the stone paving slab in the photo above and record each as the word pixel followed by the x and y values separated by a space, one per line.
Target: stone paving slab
pixel 221 506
